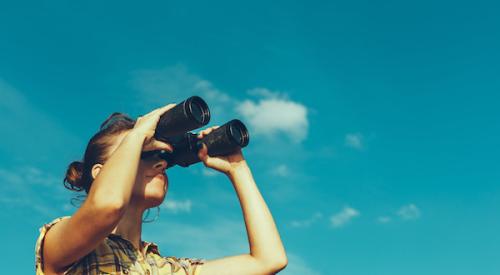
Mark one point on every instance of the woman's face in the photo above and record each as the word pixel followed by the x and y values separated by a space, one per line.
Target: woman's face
pixel 151 183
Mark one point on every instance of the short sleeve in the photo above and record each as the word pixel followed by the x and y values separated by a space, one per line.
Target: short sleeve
pixel 189 266
pixel 39 244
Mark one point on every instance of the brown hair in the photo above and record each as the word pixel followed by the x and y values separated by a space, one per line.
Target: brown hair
pixel 79 174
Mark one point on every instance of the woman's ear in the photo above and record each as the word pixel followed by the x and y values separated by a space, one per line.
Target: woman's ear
pixel 95 170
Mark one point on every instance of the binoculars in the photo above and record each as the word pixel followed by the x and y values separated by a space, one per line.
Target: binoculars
pixel 174 126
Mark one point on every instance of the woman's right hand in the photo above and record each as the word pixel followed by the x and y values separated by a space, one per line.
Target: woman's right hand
pixel 145 126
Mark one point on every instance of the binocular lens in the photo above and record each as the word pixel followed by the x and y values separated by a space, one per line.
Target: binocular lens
pixel 239 133
pixel 198 110
pixel 190 114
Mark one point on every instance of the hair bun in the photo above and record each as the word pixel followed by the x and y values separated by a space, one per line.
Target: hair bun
pixel 113 118
pixel 74 175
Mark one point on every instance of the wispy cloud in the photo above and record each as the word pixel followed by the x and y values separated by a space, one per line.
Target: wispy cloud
pixel 409 212
pixel 177 206
pixel 343 217
pixel 221 237
pixel 384 219
pixel 29 187
pixel 274 115
pixel 271 114
pixel 298 266
pixel 307 222
pixel 354 140
pixel 175 83
pixel 208 172
pixel 281 170
pixel 406 213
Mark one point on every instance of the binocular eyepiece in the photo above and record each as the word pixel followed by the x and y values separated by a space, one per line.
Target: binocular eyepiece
pixel 175 124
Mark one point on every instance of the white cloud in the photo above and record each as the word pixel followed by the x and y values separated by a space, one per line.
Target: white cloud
pixel 354 140
pixel 276 115
pixel 211 93
pixel 27 186
pixel 268 94
pixel 170 83
pixel 343 217
pixel 297 266
pixel 209 172
pixel 174 84
pixel 271 115
pixel 177 206
pixel 409 212
pixel 384 219
pixel 281 170
pixel 307 222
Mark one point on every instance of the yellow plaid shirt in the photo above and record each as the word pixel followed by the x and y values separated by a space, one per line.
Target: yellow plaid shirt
pixel 115 255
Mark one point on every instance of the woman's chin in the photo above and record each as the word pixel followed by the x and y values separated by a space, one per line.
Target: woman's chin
pixel 155 194
pixel 154 199
pixel 155 191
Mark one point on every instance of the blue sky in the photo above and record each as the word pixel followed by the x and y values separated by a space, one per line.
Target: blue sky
pixel 374 125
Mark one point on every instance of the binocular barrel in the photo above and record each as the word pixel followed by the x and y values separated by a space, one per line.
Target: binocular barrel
pixel 188 115
pixel 221 141
pixel 174 125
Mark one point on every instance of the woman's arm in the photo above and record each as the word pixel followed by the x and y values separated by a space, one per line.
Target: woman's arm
pixel 71 239
pixel 267 254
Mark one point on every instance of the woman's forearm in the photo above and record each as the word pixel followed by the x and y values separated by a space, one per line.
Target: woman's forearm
pixel 114 183
pixel 263 236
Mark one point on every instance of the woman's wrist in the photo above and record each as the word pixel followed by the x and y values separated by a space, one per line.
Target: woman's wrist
pixel 238 169
pixel 136 136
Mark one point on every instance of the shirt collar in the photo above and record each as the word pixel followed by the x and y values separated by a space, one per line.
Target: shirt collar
pixel 148 246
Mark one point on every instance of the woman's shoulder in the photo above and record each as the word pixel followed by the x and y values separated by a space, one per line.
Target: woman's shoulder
pixel 45 227
pixel 39 242
pixel 49 224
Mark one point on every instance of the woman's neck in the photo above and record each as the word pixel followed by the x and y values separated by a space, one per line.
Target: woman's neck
pixel 130 226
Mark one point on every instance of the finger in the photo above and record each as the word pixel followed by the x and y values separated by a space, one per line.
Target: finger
pixel 159 111
pixel 201 134
pixel 207 131
pixel 203 153
pixel 165 108
pixel 211 129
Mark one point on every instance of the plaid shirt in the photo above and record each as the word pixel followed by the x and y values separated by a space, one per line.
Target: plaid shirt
pixel 115 255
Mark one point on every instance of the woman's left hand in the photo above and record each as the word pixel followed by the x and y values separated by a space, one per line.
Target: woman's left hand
pixel 225 164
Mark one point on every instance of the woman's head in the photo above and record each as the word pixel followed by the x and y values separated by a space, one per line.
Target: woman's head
pixel 149 189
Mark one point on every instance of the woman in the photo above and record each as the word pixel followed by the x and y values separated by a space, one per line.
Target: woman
pixel 104 235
